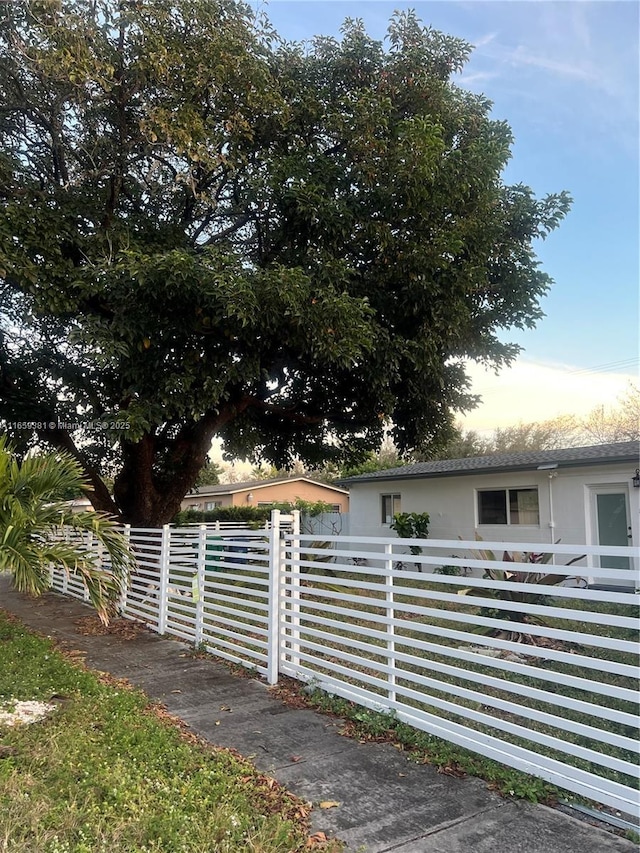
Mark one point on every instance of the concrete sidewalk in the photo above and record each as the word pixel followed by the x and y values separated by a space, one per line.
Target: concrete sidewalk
pixel 386 803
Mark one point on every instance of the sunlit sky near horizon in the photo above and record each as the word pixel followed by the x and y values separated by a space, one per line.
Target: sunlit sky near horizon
pixel 565 76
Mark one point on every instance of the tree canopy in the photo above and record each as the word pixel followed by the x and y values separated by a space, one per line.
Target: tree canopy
pixel 207 231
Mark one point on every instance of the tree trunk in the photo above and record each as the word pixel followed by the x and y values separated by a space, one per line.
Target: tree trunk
pixel 147 499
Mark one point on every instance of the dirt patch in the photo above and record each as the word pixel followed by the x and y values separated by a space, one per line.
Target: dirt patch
pixel 91 626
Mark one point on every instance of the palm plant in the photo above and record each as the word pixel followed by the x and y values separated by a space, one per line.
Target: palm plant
pixel 514 614
pixel 35 523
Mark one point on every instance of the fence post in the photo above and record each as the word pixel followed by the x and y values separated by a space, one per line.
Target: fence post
pixel 391 645
pixel 198 583
pixel 89 548
pixel 65 572
pixel 100 551
pixel 124 585
pixel 295 590
pixel 275 572
pixel 163 593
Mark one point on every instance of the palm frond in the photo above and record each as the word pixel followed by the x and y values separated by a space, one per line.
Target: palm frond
pixel 38 530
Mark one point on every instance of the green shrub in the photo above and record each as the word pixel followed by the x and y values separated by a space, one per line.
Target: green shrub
pixel 412 525
pixel 254 515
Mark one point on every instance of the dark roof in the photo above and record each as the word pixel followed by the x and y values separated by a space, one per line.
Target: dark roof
pixel 599 454
pixel 231 488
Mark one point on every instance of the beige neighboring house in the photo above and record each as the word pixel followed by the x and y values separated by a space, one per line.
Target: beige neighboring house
pixel 265 492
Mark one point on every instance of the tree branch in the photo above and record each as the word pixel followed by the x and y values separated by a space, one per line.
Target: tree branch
pixel 98 494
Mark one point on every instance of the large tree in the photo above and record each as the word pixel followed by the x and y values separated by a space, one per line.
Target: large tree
pixel 205 231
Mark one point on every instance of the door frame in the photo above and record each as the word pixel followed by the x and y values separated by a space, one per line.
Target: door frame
pixel 595 489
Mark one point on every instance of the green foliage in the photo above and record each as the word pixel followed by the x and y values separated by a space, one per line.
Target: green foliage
pixel 209 475
pixel 369 466
pixel 255 514
pixel 205 231
pixel 411 525
pixel 452 571
pixel 34 515
pixel 105 772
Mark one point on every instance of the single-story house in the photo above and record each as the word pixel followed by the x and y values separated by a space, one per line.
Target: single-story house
pixel 266 492
pixel 580 495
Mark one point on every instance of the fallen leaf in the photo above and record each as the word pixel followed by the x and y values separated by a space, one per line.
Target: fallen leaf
pixel 452 770
pixel 217 723
pixel 225 708
pixel 329 804
pixel 316 838
pixel 402 774
pixel 295 758
pixel 176 691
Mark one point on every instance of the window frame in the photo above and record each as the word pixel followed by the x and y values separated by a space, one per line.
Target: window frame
pixel 395 498
pixel 506 491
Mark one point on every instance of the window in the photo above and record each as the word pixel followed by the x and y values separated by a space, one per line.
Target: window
pixel 390 506
pixel 336 508
pixel 508 506
pixel 212 505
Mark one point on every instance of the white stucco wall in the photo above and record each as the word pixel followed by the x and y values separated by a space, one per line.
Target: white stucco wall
pixel 451 503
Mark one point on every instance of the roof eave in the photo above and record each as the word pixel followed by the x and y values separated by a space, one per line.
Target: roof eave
pixel 499 469
pixel 262 484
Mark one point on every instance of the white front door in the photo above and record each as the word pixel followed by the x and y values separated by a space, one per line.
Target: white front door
pixel 612 523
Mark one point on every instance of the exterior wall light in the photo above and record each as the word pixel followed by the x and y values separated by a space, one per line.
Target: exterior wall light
pixel 636 479
pixel 250 497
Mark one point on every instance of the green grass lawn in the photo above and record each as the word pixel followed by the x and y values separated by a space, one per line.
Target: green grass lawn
pixel 106 772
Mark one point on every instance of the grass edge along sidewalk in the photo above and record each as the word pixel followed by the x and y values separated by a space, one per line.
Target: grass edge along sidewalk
pixel 107 770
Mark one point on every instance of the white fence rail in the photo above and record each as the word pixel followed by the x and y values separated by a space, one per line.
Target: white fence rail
pixel 528 663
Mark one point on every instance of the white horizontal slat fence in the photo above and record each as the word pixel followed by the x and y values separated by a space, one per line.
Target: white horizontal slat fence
pixel 208 585
pixel 539 676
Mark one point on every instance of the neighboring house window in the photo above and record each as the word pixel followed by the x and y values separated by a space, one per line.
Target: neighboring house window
pixel 212 505
pixel 390 506
pixel 508 506
pixel 335 508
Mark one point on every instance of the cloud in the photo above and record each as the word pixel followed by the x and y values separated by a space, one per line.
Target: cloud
pixel 582 70
pixel 484 40
pixel 576 64
pixel 529 391
pixel 472 78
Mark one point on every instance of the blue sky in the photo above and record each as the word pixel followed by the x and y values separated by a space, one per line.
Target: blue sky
pixel 565 77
